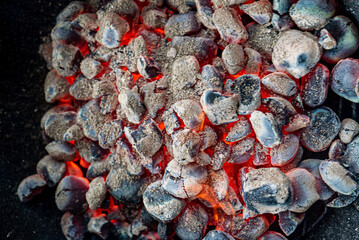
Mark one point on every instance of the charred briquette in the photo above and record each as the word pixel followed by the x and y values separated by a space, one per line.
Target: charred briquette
pixel 205 13
pixel 337 177
pixel 30 187
pixel 184 181
pixel 154 18
pixel 60 150
pixel 280 83
pixel 51 170
pixel 90 67
pixel 153 100
pixel 160 204
pixel 192 223
pixel 289 221
pixel 182 24
pixel 286 151
pixel 297 122
pixel 74 133
pixel 296 52
pixel 282 23
pixel 126 158
pixel 315 85
pixel 242 151
pixel 125 187
pixel 282 6
pixel 146 139
pixel 304 190
pixel 351 155
pixel 190 112
pixel 217 235
pixel 281 108
pixel 251 229
pixel 239 130
pixel 337 149
pixel 55 110
pixel 100 226
pixel 89 150
pixel 170 120
pixel 55 87
pixel 132 105
pixel 110 132
pixel 266 129
pixel 57 124
pixel 147 67
pixel 218 183
pixel 119 230
pixel 147 219
pixel 185 146
pixel 254 61
pixel 220 155
pixel 348 130
pixel 212 78
pixel 70 194
pixel 91 119
pixel 82 88
pixel 208 137
pixel 261 155
pixel 260 11
pixel 65 33
pixel 312 14
pixel 66 59
pixel 70 12
pixel 347 36
pixel 234 58
pixel 324 126
pixel 312 165
pixel 219 109
pixel 343 200
pixel 136 228
pixel 165 230
pixel 344 79
pixel 270 235
pixel 96 193
pixel 248 89
pixel 231 204
pixel 267 190
pixel 98 168
pixel 72 226
pixel 326 40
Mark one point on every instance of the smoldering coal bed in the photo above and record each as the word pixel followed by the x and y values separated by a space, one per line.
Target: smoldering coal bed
pixel 189 122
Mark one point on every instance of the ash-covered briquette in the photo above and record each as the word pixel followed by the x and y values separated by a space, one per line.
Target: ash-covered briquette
pixel 187 119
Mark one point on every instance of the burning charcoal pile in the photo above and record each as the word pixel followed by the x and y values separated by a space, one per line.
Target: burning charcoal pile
pixel 188 119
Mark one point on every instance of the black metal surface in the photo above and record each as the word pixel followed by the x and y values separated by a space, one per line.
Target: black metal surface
pixel 23 23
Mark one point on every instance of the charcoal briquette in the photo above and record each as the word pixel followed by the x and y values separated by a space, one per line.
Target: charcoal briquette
pixel 348 130
pixel 110 132
pixel 72 226
pixel 280 83
pixel 266 129
pixel 57 124
pixel 234 58
pixel 96 193
pixel 286 151
pixel 51 170
pixel 242 151
pixel 289 221
pixel 100 226
pixel 66 59
pixel 62 151
pixel 30 187
pixel 55 87
pixel 248 89
pixel 185 146
pixel 260 11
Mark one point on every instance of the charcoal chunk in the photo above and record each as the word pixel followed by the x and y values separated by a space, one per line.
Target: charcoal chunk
pixel 212 78
pixel 324 126
pixel 260 11
pixel 82 88
pixel 30 187
pixel 74 133
pixel 66 59
pixel 60 150
pixel 347 36
pixel 326 40
pixel 129 159
pixel 266 129
pixel 283 23
pixel 302 13
pixel 184 181
pixel 147 139
pixel 147 67
pixel 90 67
pixel 89 150
pixel 192 223
pixel 51 170
pixel 297 122
pixel 218 108
pixel 229 26
pixel 72 226
pixel 254 61
pixel 154 18
pixel 110 132
pixel 185 146
pixel 281 108
pixel 70 11
pixel 96 193
pixel 55 87
pixel 205 13
pixel 280 83
pixel 337 177
pixel 112 28
pixel 304 190
pixel 251 229
pixel 70 194
pixel 98 168
pixel 296 52
pixel 337 149
pixel 182 24
pixel 261 155
pixel 286 151
pixel 153 100
pixel 267 190
pixel 282 6
pixel 248 88
pixel 220 155
pixel 344 79
pixel 218 183
pixel 351 155
pixel 160 204
pixel 312 165
pixel 239 130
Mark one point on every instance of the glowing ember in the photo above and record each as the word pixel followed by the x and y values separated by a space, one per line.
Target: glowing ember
pixel 179 118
